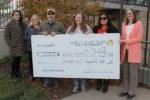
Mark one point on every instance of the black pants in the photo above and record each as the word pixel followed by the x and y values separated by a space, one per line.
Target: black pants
pixel 30 62
pixel 102 84
pixel 15 67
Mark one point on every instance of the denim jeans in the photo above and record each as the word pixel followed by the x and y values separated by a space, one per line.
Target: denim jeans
pixel 51 81
pixel 80 82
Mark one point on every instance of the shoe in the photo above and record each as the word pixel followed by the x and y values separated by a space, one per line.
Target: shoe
pixel 98 85
pixel 75 89
pixel 83 89
pixel 122 94
pixel 105 85
pixel 56 85
pixel 18 75
pixel 45 85
pixel 105 89
pixel 130 96
pixel 13 76
pixel 32 78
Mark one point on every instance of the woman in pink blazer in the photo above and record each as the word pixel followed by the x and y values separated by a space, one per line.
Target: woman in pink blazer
pixel 131 53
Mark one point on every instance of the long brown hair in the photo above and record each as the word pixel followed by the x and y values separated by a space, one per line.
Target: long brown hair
pixel 83 24
pixel 21 23
pixel 134 19
pixel 109 24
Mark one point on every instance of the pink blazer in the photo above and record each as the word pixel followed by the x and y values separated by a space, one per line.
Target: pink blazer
pixel 134 46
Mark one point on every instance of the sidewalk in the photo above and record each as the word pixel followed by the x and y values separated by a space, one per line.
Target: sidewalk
pixel 142 94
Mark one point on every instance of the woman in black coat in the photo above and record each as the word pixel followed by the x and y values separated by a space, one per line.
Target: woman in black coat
pixel 104 27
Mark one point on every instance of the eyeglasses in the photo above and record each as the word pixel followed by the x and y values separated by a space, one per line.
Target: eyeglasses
pixel 103 18
pixel 50 13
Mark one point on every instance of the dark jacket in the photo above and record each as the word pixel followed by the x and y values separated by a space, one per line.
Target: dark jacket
pixel 14 37
pixel 30 30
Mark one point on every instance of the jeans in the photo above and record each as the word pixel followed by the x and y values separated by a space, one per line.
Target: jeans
pixel 78 82
pixel 51 81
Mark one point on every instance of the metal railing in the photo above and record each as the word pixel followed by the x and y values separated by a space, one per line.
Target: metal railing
pixel 143 3
pixel 144 70
pixel 6 7
pixel 146 53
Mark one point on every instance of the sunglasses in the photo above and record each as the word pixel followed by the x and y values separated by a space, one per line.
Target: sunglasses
pixel 50 13
pixel 103 18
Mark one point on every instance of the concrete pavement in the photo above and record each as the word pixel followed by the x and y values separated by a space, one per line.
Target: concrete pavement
pixel 142 94
pixel 3 46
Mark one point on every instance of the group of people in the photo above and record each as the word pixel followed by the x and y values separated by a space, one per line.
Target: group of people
pixel 18 37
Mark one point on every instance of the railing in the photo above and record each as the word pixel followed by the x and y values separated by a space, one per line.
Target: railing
pixel 6 7
pixel 144 70
pixel 146 52
pixel 143 3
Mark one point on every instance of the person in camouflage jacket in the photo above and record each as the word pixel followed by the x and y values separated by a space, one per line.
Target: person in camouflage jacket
pixel 14 37
pixel 52 27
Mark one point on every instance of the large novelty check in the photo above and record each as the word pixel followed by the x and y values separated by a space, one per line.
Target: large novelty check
pixel 76 56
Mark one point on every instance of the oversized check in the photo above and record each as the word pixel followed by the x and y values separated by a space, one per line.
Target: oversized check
pixel 77 56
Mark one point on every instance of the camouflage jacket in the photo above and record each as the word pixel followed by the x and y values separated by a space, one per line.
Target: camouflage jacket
pixel 55 26
pixel 14 38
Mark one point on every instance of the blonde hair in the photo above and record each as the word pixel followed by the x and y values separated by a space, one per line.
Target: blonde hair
pixel 33 17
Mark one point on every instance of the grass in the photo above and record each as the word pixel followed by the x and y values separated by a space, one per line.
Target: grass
pixel 15 89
